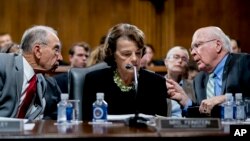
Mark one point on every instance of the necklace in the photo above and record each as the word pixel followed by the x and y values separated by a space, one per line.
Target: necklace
pixel 118 81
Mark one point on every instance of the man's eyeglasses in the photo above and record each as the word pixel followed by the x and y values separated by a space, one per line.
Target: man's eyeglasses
pixel 177 57
pixel 197 45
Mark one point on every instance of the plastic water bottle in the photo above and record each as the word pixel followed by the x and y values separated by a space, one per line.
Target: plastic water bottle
pixel 61 109
pixel 228 107
pixel 100 108
pixel 239 107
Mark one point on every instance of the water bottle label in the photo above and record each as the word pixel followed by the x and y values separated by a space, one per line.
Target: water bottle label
pixel 240 112
pixel 228 112
pixel 99 113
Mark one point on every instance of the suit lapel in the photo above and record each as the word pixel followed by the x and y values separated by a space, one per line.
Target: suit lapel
pixel 204 96
pixel 225 73
pixel 19 74
pixel 39 103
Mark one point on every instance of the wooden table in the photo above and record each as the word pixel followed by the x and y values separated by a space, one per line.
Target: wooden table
pixel 47 129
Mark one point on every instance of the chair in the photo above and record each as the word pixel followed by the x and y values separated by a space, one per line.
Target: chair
pixel 76 82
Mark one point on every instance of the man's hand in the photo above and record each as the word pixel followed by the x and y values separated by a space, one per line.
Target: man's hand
pixel 208 104
pixel 176 92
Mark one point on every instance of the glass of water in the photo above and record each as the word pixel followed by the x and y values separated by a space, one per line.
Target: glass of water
pixel 75 111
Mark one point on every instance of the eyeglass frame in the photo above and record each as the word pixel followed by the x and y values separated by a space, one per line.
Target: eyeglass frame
pixel 177 57
pixel 197 45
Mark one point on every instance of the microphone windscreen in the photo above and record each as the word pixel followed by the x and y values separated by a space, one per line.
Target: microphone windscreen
pixel 128 66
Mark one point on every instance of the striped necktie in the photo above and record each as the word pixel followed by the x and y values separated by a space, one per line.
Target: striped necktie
pixel 30 94
pixel 210 86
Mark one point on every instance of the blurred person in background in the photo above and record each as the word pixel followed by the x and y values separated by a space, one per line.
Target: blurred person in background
pixel 235 44
pixel 78 57
pixel 5 38
pixel 176 62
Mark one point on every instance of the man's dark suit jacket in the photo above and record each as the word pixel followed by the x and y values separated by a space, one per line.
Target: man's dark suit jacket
pixel 235 79
pixel 150 99
pixel 62 81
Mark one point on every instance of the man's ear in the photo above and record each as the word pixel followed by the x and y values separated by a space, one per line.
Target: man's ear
pixel 37 51
pixel 218 46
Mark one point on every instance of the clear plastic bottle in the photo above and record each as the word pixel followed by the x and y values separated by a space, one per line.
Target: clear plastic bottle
pixel 100 109
pixel 239 107
pixel 228 107
pixel 61 109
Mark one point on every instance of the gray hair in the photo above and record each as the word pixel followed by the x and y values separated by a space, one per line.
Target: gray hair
pixel 176 47
pixel 35 35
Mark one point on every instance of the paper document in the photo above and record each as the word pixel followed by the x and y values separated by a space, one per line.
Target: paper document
pixel 126 116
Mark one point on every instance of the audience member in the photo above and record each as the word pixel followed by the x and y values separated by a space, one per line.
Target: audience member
pixel 176 62
pixel 148 57
pixel 123 51
pixel 96 56
pixel 235 44
pixel 10 48
pixel 25 91
pixel 220 71
pixel 78 57
pixel 5 38
pixel 192 70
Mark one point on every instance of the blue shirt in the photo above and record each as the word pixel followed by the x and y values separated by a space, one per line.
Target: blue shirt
pixel 218 71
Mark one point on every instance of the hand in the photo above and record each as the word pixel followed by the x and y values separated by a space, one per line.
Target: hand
pixel 208 104
pixel 176 92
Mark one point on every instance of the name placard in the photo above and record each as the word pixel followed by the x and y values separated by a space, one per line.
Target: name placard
pixel 11 125
pixel 188 123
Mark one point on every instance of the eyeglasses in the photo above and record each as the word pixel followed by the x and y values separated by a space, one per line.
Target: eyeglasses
pixel 177 57
pixel 197 45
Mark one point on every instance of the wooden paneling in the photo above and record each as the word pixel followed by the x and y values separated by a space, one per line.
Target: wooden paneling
pixel 232 16
pixel 89 20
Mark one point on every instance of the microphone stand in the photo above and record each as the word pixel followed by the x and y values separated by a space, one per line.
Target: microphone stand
pixel 136 120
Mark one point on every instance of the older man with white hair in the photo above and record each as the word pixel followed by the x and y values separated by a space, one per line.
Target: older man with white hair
pixel 220 71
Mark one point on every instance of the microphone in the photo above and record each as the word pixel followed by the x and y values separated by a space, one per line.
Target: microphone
pixel 135 121
pixel 128 66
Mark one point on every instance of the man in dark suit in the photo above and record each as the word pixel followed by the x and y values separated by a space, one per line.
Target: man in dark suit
pixel 41 52
pixel 211 49
pixel 78 56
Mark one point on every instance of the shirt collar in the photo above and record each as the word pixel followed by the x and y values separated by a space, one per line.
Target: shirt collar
pixel 220 67
pixel 28 70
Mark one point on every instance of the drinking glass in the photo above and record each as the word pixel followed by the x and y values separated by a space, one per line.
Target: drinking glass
pixel 75 111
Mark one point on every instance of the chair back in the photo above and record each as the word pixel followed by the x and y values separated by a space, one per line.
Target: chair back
pixel 76 82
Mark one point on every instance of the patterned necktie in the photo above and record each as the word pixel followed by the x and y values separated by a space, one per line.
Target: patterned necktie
pixel 210 86
pixel 30 93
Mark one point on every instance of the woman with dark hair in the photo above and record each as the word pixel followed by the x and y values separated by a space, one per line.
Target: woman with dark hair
pixel 123 51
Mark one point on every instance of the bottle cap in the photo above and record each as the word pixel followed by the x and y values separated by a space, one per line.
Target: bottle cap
pixel 229 96
pixel 238 96
pixel 99 95
pixel 65 96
